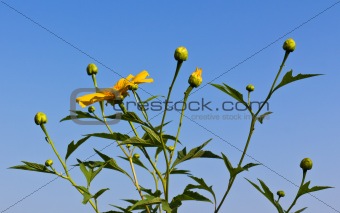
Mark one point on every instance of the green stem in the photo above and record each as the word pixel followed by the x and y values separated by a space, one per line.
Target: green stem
pixel 297 195
pixel 68 177
pixel 273 85
pixel 167 176
pixel 186 95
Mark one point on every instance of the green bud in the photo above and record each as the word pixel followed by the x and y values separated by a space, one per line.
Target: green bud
pixel 40 118
pixel 136 155
pixel 281 193
pixel 92 69
pixel 181 54
pixel 133 86
pixel 306 164
pixel 289 45
pixel 250 88
pixel 128 145
pixel 91 109
pixel 49 162
pixel 171 148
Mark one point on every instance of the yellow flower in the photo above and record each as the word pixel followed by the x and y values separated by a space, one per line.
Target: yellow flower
pixel 119 90
pixel 195 78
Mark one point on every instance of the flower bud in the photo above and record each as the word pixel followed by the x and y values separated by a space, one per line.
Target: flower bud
pixel 40 118
pixel 289 45
pixel 250 88
pixel 306 164
pixel 133 87
pixel 92 69
pixel 136 155
pixel 171 148
pixel 281 193
pixel 91 109
pixel 181 54
pixel 49 162
pixel 195 78
pixel 128 145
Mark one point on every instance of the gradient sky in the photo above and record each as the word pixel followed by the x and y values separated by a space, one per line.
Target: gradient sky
pixel 46 47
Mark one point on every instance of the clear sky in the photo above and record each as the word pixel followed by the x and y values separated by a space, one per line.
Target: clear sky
pixel 46 47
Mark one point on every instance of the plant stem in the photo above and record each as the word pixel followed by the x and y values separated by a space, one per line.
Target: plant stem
pixel 68 177
pixel 297 195
pixel 273 85
pixel 186 95
pixel 167 176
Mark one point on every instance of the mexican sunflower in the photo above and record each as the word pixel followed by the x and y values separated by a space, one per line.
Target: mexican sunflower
pixel 119 90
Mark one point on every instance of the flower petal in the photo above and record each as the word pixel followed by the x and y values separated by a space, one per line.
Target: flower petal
pixel 89 99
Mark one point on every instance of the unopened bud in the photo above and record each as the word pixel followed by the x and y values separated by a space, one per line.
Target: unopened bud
pixel 250 88
pixel 181 54
pixel 136 155
pixel 306 164
pixel 171 148
pixel 195 78
pixel 91 109
pixel 281 193
pixel 289 45
pixel 40 118
pixel 92 69
pixel 49 162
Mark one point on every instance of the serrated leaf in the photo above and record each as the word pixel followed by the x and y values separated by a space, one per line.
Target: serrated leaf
pixel 268 194
pixel 152 135
pixel 29 166
pixel 202 185
pixel 78 115
pixel 196 152
pixel 289 78
pixel 73 146
pixel 111 163
pixel 231 92
pixel 304 189
pixel 190 195
pixel 262 117
pixel 157 193
pixel 112 136
pixel 166 207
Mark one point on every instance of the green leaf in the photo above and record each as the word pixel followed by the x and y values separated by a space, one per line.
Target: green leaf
pixel 201 185
pixel 29 166
pixel 196 152
pixel 157 193
pixel 176 171
pixel 128 116
pixel 268 194
pixel 78 115
pixel 136 141
pixel 231 92
pixel 235 171
pixel 190 195
pixel 136 161
pixel 166 207
pixel 289 78
pixel 87 174
pixel 86 194
pixel 152 135
pixel 304 189
pixel 112 136
pixel 100 192
pixel 149 200
pixel 111 163
pixel 301 210
pixel 261 117
pixel 72 147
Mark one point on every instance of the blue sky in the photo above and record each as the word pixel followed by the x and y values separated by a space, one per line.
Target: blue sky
pixel 47 46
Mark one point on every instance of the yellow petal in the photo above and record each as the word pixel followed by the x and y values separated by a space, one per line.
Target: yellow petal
pixel 89 99
pixel 141 78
